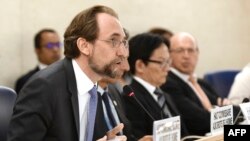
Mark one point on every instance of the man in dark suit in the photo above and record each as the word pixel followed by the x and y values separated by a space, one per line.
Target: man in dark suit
pixel 48 50
pixel 112 107
pixel 59 102
pixel 193 97
pixel 149 63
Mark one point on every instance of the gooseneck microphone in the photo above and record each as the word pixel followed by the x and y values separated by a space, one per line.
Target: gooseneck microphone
pixel 245 100
pixel 128 91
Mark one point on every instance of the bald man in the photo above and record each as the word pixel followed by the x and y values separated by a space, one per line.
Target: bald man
pixel 194 97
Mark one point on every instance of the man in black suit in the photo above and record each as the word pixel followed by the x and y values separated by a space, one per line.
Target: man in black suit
pixel 112 107
pixel 48 50
pixel 57 103
pixel 149 63
pixel 194 100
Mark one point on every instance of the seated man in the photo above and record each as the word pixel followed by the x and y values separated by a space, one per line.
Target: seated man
pixel 193 97
pixel 149 64
pixel 48 50
pixel 112 107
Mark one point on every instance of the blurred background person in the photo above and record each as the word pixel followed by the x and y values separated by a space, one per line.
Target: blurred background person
pixel 48 50
pixel 241 86
pixel 112 107
pixel 193 97
pixel 149 62
pixel 165 33
pixel 126 78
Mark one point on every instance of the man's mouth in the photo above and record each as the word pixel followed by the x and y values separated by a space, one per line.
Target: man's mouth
pixel 118 63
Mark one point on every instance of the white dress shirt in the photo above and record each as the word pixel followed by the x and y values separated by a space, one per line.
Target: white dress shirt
pixel 42 66
pixel 241 86
pixel 150 88
pixel 84 84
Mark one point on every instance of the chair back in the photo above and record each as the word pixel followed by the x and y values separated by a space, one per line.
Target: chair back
pixel 221 81
pixel 7 100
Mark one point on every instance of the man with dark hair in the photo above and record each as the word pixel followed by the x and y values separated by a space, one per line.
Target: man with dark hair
pixel 149 62
pixel 112 106
pixel 162 32
pixel 165 33
pixel 48 50
pixel 60 102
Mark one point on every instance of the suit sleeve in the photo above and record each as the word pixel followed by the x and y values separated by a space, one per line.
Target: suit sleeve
pixel 210 92
pixel 196 118
pixel 32 114
pixel 135 114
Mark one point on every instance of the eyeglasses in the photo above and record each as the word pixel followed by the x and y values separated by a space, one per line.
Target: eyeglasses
pixel 50 45
pixel 182 50
pixel 116 43
pixel 162 64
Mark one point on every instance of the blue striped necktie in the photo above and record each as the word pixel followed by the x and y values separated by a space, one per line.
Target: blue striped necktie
pixel 91 113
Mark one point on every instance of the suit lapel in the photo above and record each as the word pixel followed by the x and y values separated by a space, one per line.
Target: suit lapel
pixel 146 99
pixel 70 75
pixel 190 93
pixel 117 104
pixel 171 105
pixel 116 98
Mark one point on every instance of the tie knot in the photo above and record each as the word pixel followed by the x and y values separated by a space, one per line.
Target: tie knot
pixel 105 94
pixel 192 79
pixel 93 91
pixel 158 92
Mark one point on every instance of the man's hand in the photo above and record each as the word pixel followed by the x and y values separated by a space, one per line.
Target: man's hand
pixel 103 139
pixel 223 101
pixel 111 135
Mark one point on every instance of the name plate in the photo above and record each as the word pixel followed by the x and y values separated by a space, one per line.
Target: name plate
pixel 167 129
pixel 221 116
pixel 245 108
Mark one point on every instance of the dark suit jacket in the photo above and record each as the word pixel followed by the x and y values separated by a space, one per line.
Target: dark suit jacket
pixel 23 79
pixel 118 102
pixel 101 127
pixel 195 116
pixel 47 107
pixel 142 124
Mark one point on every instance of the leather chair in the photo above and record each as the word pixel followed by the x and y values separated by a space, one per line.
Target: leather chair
pixel 221 81
pixel 7 100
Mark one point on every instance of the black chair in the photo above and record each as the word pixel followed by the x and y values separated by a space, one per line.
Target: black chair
pixel 7 100
pixel 221 81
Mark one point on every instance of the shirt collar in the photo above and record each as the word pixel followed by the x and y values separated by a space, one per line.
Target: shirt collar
pixel 181 75
pixel 150 88
pixel 100 90
pixel 42 66
pixel 84 84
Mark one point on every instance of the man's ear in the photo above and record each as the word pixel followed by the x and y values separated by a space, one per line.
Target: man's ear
pixel 84 46
pixel 139 66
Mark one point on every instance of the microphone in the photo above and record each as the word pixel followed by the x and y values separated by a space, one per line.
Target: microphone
pixel 128 91
pixel 245 100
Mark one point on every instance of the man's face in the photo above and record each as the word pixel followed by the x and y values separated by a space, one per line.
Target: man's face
pixel 109 53
pixel 156 71
pixel 184 53
pixel 124 67
pixel 50 48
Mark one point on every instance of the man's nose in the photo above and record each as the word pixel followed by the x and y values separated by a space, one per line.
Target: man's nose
pixel 122 51
pixel 125 64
